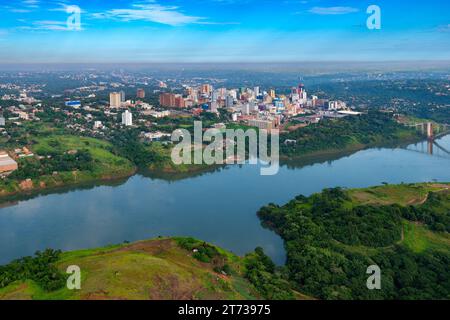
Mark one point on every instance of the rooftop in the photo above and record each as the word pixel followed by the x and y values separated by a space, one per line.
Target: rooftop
pixel 6 160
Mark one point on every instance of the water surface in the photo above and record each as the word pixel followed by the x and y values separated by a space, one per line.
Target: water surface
pixel 218 207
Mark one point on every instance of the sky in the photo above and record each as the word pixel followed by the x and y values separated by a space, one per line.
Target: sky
pixel 37 31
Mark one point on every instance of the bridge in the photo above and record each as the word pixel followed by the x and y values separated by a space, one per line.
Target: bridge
pixel 432 130
pixel 430 147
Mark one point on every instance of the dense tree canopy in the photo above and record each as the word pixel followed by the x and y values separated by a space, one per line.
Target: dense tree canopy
pixel 331 242
pixel 337 134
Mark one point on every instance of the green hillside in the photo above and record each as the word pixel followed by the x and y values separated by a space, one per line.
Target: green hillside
pixel 333 237
pixel 154 269
pixel 65 160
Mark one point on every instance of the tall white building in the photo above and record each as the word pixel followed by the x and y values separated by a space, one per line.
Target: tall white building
pixel 215 95
pixel 229 102
pixel 233 93
pixel 2 122
pixel 257 91
pixel 245 109
pixel 127 118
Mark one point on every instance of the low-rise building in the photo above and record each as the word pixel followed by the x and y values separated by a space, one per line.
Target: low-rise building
pixel 7 164
pixel 159 114
pixel 262 124
pixel 156 136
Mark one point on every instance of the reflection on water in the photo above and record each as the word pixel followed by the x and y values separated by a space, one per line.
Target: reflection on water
pixel 219 207
pixel 435 148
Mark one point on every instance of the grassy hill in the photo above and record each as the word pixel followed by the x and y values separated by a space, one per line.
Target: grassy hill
pixel 153 269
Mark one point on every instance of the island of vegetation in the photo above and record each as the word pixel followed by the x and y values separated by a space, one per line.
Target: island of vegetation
pixel 331 239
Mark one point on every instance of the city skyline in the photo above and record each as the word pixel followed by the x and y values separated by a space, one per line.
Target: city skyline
pixel 33 31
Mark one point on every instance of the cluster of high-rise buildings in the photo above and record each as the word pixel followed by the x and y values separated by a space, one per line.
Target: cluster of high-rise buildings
pixel 118 99
pixel 260 108
pixel 245 99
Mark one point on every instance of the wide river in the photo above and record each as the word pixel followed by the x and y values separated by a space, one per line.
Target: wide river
pixel 218 207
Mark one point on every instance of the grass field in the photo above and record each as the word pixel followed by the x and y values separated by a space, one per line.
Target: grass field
pixel 419 238
pixel 153 269
pixel 404 194
pixel 106 165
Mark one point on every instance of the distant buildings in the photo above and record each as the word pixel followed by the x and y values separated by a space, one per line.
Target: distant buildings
pixel 74 104
pixel 2 122
pixel 127 118
pixel 98 125
pixel 156 136
pixel 262 124
pixel 336 105
pixel 167 99
pixel 350 113
pixel 159 114
pixel 206 89
pixel 229 102
pixel 172 100
pixel 140 93
pixel 122 96
pixel 162 85
pixel 115 99
pixel 7 164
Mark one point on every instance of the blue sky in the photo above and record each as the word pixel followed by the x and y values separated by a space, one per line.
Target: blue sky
pixel 223 31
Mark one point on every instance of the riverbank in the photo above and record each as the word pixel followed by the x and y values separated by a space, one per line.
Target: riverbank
pixel 352 133
pixel 66 161
pixel 332 153
pixel 121 169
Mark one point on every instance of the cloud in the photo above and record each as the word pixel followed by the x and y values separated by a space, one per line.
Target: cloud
pixel 333 10
pixel 24 6
pixel 31 3
pixel 62 7
pixel 48 25
pixel 152 12
pixel 19 10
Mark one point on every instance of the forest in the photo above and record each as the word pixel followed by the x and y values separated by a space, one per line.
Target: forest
pixel 31 168
pixel 40 269
pixel 331 241
pixel 339 134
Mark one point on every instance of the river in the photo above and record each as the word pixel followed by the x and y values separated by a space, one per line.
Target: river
pixel 218 207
